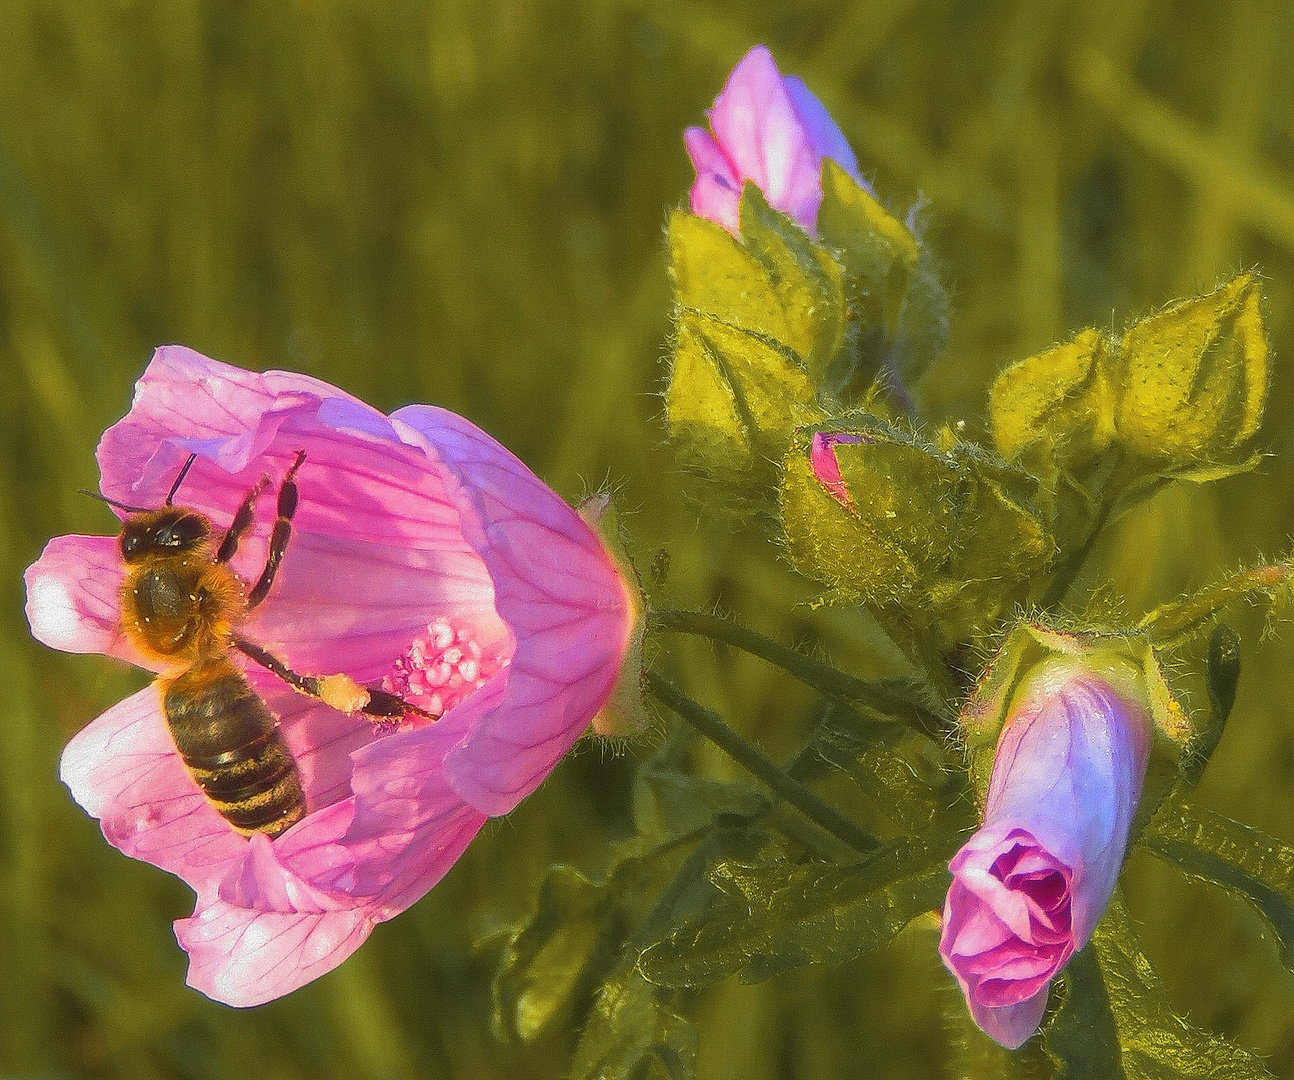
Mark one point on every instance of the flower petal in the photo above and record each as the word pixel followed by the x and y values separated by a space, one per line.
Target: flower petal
pixel 716 193
pixel 555 587
pixel 410 823
pixel 73 598
pixel 1011 1025
pixel 243 957
pixel 376 550
pixel 824 135
pixel 123 768
pixel 755 121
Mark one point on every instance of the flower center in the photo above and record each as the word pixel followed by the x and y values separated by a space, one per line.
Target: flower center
pixel 442 667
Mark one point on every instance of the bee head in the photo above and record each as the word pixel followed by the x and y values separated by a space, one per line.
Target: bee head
pixel 168 531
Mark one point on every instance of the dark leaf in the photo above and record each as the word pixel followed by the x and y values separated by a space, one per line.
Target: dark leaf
pixel 1241 859
pixel 777 916
pixel 1156 1044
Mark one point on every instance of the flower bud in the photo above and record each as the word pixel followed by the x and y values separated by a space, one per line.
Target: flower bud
pixel 768 128
pixel 1030 886
pixel 869 515
pixel 1062 397
pixel 826 467
pixel 1193 381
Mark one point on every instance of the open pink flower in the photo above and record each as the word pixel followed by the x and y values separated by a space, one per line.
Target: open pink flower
pixel 770 129
pixel 1030 886
pixel 424 557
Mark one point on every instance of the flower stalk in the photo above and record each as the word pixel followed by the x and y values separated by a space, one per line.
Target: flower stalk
pixel 712 726
pixel 889 698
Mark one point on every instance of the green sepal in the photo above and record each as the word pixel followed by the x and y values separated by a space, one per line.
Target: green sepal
pixel 1112 986
pixel 1062 399
pixel 733 401
pixel 885 277
pixel 1244 861
pixel 1192 382
pixel 1176 622
pixel 805 278
pixel 757 321
pixel 1003 547
pixel 956 536
pixel 779 915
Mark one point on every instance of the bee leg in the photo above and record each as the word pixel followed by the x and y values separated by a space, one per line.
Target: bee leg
pixel 339 691
pixel 281 535
pixel 242 522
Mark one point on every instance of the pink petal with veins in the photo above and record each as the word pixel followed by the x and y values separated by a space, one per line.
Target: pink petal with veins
pixel 408 527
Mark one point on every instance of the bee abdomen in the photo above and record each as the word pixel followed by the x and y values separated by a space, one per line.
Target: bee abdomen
pixel 233 748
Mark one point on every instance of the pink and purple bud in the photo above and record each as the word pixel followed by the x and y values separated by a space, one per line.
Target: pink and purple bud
pixel 768 128
pixel 1030 886
pixel 424 559
pixel 826 467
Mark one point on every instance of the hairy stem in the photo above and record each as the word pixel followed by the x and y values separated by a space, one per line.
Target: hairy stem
pixel 887 698
pixel 712 726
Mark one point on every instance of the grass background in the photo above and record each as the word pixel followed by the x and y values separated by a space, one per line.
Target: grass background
pixel 462 201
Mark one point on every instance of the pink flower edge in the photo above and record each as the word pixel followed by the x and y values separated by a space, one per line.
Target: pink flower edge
pixel 771 130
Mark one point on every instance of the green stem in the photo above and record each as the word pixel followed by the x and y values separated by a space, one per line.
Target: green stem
pixel 712 726
pixel 884 697
pixel 1064 574
pixel 1176 622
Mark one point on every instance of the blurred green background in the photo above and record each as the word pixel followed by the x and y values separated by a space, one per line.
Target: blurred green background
pixel 461 202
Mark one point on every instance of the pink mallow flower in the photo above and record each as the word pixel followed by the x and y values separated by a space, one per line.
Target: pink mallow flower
pixel 770 129
pixel 1030 886
pixel 424 558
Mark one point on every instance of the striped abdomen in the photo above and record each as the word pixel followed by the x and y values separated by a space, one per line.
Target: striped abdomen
pixel 232 746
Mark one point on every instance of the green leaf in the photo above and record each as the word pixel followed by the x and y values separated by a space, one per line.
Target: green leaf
pixel 633 1034
pixel 1222 676
pixel 903 773
pixel 1082 1037
pixel 778 916
pixel 668 803
pixel 552 958
pixel 1243 860
pixel 1155 1043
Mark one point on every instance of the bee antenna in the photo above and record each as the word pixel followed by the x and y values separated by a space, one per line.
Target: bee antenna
pixel 180 479
pixel 113 502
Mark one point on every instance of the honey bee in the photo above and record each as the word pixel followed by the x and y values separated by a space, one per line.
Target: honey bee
pixel 182 605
